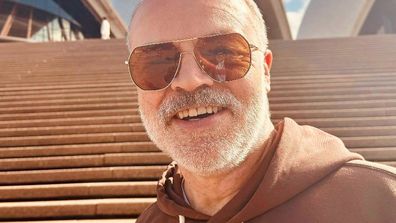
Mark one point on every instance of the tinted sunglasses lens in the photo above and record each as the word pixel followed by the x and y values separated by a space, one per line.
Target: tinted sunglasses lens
pixel 153 67
pixel 225 57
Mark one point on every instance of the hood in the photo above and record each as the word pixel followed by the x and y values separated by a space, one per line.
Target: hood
pixel 303 155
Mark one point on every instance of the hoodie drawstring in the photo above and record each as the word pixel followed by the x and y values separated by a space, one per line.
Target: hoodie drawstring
pixel 182 219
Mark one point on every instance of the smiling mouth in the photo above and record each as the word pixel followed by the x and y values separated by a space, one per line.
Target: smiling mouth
pixel 195 114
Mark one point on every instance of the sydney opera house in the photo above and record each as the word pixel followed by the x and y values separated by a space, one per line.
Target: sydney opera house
pixel 324 19
pixel 55 20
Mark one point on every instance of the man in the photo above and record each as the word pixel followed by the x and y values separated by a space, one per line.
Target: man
pixel 232 164
pixel 220 67
pixel 105 29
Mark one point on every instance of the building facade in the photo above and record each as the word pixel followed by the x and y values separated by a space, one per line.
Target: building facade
pixel 56 20
pixel 348 18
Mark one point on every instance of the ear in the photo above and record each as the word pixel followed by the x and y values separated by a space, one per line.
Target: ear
pixel 268 57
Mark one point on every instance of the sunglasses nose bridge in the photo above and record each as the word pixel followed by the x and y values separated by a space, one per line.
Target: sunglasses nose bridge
pixel 189 74
pixel 197 63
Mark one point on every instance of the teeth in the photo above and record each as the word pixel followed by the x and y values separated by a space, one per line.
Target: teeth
pixel 185 113
pixel 201 110
pixel 193 112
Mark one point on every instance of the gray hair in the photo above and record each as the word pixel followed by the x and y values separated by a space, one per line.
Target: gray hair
pixel 259 24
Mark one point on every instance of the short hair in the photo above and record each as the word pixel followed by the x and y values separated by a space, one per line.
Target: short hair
pixel 259 23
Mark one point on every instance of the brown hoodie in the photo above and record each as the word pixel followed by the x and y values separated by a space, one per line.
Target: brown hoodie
pixel 311 177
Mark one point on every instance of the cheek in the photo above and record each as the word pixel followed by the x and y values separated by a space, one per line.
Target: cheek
pixel 247 87
pixel 242 89
pixel 149 100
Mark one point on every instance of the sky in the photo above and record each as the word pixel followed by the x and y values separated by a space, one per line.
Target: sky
pixel 124 8
pixel 295 10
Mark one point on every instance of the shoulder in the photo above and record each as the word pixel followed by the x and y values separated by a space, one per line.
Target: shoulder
pixel 152 214
pixel 369 177
pixel 359 189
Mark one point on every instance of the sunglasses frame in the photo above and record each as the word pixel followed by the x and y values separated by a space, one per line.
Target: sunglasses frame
pixel 252 48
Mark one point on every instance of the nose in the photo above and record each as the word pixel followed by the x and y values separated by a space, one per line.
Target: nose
pixel 190 76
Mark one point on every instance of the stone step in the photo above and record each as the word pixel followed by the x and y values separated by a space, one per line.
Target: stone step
pixel 113 220
pixel 66 108
pixel 61 90
pixel 79 161
pixel 93 174
pixel 90 46
pixel 130 94
pixel 335 113
pixel 91 86
pixel 99 78
pixel 74 208
pixel 334 91
pixel 76 129
pixel 69 114
pixel 342 84
pixel 71 121
pixel 78 191
pixel 74 101
pixel 383 103
pixel 77 149
pixel 362 131
pixel 377 154
pixel 353 70
pixel 73 139
pixel 286 66
pixel 28 76
pixel 118 220
pixel 332 98
pixel 69 66
pixel 370 141
pixel 327 78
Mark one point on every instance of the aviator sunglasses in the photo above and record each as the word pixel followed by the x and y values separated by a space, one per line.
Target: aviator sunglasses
pixel 224 57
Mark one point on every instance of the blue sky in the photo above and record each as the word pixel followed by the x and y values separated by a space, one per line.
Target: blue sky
pixel 293 5
pixel 124 8
pixel 295 10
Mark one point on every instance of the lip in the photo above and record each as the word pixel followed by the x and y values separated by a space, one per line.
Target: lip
pixel 204 123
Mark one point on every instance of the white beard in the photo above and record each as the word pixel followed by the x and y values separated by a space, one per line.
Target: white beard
pixel 217 150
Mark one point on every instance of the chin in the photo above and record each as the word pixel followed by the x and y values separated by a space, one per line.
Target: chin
pixel 207 156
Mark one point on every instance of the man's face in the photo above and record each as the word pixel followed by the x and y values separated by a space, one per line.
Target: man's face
pixel 218 141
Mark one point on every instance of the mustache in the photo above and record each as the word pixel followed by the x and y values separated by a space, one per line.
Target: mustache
pixel 203 96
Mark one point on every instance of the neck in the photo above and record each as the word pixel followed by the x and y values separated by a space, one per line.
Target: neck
pixel 208 194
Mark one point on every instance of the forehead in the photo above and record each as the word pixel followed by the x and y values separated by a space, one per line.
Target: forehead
pixel 167 20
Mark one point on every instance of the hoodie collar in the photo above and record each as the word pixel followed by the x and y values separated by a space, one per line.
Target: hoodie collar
pixel 170 197
pixel 303 155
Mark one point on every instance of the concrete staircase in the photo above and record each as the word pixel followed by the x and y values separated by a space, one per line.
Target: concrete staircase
pixel 345 86
pixel 72 146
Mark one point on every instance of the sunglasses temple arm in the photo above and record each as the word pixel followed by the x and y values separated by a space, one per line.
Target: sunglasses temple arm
pixel 254 48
